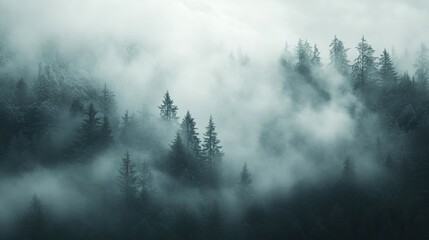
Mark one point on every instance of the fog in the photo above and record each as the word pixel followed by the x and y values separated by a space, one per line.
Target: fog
pixel 219 58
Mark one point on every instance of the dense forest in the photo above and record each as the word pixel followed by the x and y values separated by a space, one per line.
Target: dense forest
pixel 124 174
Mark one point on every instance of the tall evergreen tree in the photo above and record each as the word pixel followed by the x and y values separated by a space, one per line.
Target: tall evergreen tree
pixel 106 131
pixel 245 182
pixel 388 75
pixel 179 162
pixel 90 126
pixel 316 60
pixel 145 182
pixel 189 134
pixel 45 86
pixel 245 177
pixel 127 127
pixel 304 54
pixel 168 110
pixel 364 67
pixel 127 177
pixel 338 56
pixel 422 66
pixel 106 102
pixel 211 147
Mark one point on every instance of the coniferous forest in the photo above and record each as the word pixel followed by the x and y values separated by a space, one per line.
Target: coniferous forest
pixel 137 137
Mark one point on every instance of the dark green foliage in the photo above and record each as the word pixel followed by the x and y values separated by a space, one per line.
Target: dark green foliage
pixel 212 154
pixel 315 59
pixel 168 110
pixel 127 177
pixel 90 127
pixel 338 56
pixel 304 55
pixel 145 183
pixel 189 134
pixel 387 72
pixel 364 67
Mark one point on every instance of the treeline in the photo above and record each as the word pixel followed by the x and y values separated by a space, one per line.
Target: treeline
pixel 53 122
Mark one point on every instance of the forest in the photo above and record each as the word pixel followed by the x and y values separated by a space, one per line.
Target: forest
pixel 170 180
pixel 194 119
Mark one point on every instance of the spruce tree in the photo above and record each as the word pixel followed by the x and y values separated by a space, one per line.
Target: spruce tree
pixel 90 126
pixel 245 182
pixel 211 147
pixel 315 60
pixel 106 131
pixel 304 54
pixel 338 56
pixel 422 66
pixel 127 177
pixel 387 72
pixel 178 160
pixel 364 67
pixel 189 134
pixel 245 177
pixel 168 110
pixel 127 127
pixel 106 102
pixel 145 182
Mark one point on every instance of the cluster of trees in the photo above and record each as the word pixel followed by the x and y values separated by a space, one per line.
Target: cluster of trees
pixel 53 121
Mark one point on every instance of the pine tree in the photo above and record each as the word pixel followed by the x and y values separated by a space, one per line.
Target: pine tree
pixel 422 66
pixel 245 177
pixel 189 134
pixel 211 148
pixel 127 126
pixel 364 67
pixel 90 126
pixel 304 55
pixel 127 177
pixel 245 182
pixel 178 158
pixel 338 56
pixel 315 60
pixel 106 102
pixel 106 131
pixel 145 182
pixel 387 72
pixel 45 86
pixel 168 110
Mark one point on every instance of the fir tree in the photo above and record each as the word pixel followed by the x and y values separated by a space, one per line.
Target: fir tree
pixel 127 126
pixel 168 110
pixel 304 55
pixel 315 60
pixel 189 134
pixel 178 158
pixel 90 126
pixel 145 182
pixel 245 182
pixel 211 148
pixel 106 131
pixel 245 177
pixel 388 75
pixel 364 67
pixel 338 56
pixel 106 102
pixel 127 177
